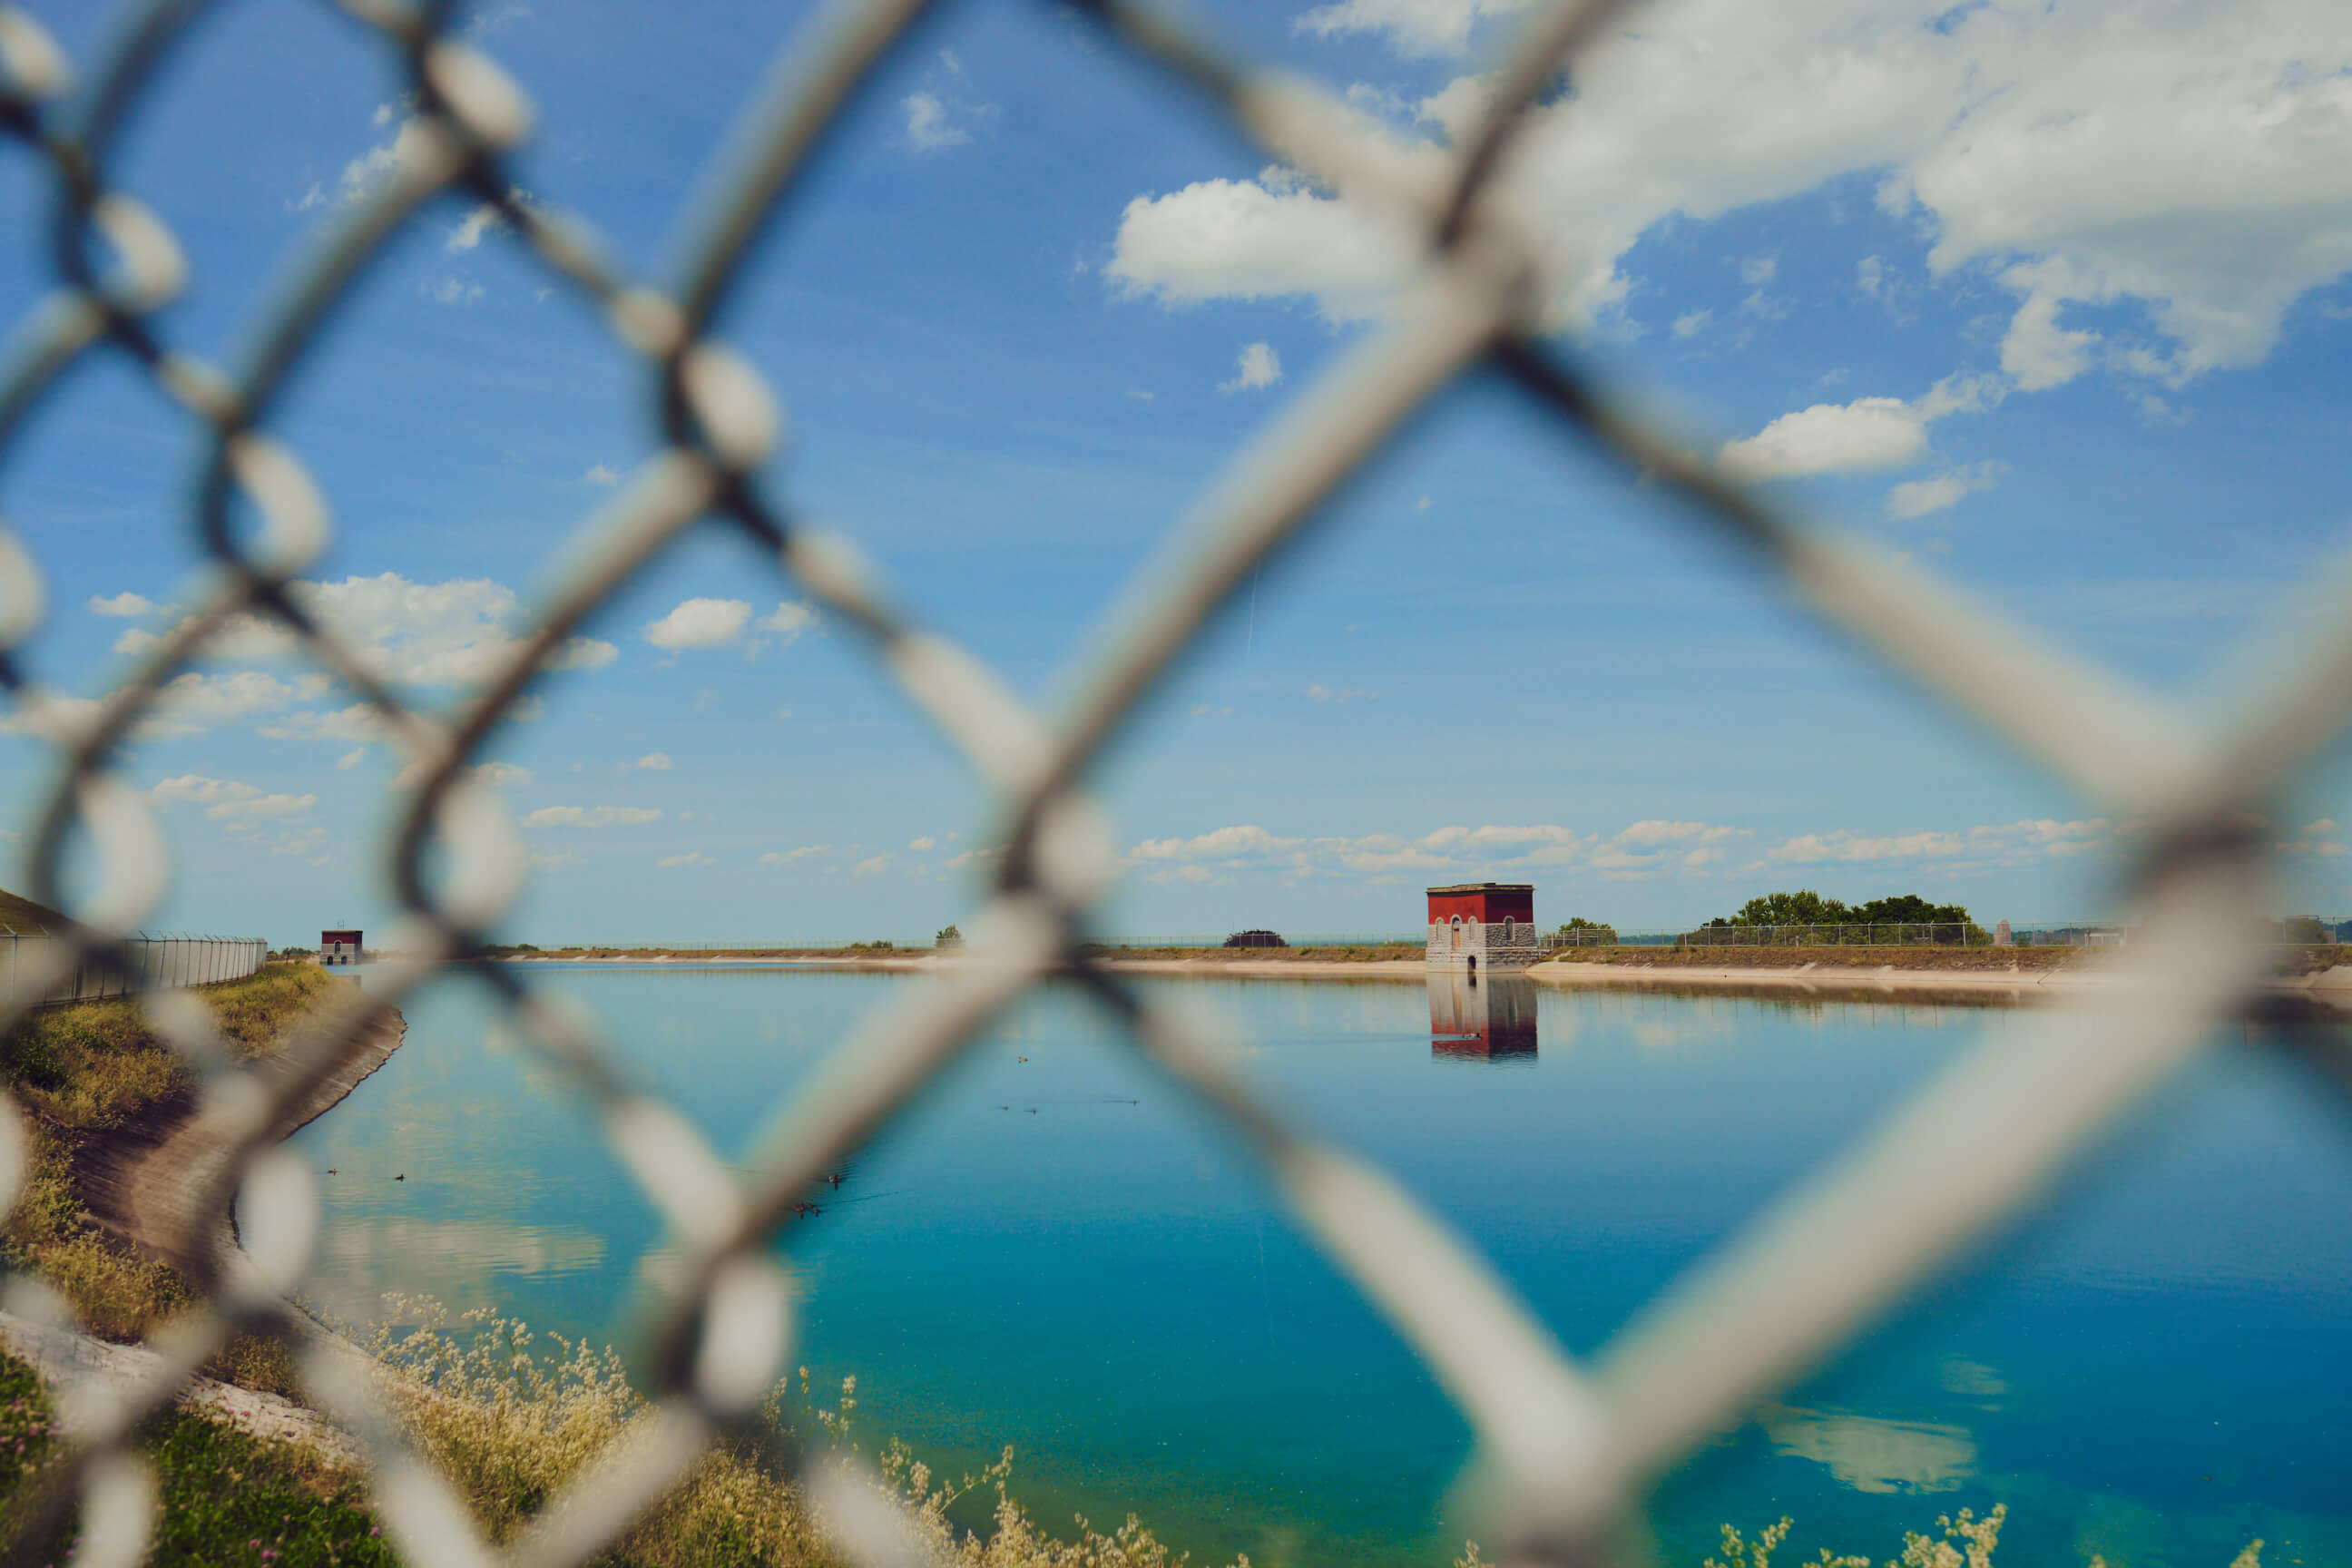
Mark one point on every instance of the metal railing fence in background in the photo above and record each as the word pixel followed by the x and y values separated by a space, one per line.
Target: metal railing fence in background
pixel 149 963
pixel 1567 1446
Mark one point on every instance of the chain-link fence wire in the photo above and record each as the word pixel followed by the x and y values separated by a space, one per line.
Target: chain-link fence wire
pixel 146 963
pixel 1565 1451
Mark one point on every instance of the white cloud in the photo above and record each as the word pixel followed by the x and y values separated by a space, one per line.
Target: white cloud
pixel 691 859
pixel 356 722
pixel 124 604
pixel 599 474
pixel 484 218
pixel 2037 350
pixel 793 618
pixel 452 633
pixel 351 759
pixel 1253 239
pixel 503 773
pixel 366 175
pixel 2011 843
pixel 786 856
pixel 592 816
pixel 1222 843
pixel 872 866
pixel 582 653
pixel 1831 437
pixel 1687 325
pixel 1338 694
pixel 1939 492
pixel 931 124
pixel 1817 848
pixel 699 623
pixel 229 799
pixel 920 846
pixel 453 291
pixel 1259 365
pixel 1414 28
pixel 2324 826
pixel 2184 154
pixel 655 761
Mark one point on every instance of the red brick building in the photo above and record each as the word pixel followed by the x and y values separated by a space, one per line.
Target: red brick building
pixel 338 947
pixel 1478 926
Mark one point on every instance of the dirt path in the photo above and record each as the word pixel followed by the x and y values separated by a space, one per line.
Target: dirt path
pixel 140 1180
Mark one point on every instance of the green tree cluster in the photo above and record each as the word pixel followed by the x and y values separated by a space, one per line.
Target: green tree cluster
pixel 1807 908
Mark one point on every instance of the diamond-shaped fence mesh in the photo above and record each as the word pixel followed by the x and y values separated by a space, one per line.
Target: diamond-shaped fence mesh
pixel 1565 1447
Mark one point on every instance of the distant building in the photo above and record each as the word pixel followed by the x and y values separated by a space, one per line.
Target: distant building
pixel 1478 927
pixel 2002 936
pixel 338 947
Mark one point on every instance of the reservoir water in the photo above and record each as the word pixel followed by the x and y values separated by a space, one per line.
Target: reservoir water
pixel 1055 1249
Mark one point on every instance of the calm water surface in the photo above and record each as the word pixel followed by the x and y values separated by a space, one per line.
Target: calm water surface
pixel 1055 1250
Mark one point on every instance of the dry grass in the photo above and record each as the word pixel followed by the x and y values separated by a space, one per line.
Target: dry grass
pixel 86 1069
pixel 510 1425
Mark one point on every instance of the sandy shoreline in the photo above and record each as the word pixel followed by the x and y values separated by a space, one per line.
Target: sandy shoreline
pixel 2332 986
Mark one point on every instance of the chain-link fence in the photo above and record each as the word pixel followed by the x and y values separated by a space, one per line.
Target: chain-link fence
pixel 148 963
pixel 1567 1447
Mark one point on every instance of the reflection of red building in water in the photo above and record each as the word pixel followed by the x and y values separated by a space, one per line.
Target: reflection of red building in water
pixel 1481 1019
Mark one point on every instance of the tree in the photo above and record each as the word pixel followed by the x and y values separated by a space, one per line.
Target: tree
pixel 1807 908
pixel 1909 909
pixel 1803 908
pixel 950 937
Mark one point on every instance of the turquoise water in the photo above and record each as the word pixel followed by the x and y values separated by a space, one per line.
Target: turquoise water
pixel 1063 1254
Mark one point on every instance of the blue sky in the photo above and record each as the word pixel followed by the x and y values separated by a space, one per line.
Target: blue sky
pixel 2052 300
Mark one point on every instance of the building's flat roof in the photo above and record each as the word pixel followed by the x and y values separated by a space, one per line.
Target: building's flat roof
pixel 1488 888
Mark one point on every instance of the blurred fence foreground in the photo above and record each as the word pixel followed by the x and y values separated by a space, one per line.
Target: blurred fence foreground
pixel 1566 1448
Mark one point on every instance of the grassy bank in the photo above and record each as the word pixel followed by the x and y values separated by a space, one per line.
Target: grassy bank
pixel 91 1070
pixel 509 1427
pixel 1952 959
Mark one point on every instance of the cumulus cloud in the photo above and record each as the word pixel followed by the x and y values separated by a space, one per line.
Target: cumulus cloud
pixel 689 860
pixel 1940 493
pixel 920 846
pixel 124 604
pixel 655 761
pixel 229 799
pixel 482 219
pixel 592 816
pixel 1639 849
pixel 1259 365
pixel 2183 154
pixel 1689 323
pixel 786 856
pixel 930 124
pixel 699 623
pixel 793 618
pixel 1831 437
pixel 356 722
pixel 2012 842
pixel 601 474
pixel 874 865
pixel 454 633
pixel 350 759
pixel 1846 438
pixel 512 773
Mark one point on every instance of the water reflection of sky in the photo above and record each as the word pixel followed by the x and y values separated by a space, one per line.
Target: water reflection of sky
pixel 1061 1253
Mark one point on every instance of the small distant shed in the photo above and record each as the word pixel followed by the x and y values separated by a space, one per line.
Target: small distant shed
pixel 338 947
pixel 1255 939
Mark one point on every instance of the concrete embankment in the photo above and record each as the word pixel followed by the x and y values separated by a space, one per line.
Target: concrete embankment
pixel 141 1181
pixel 2321 974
